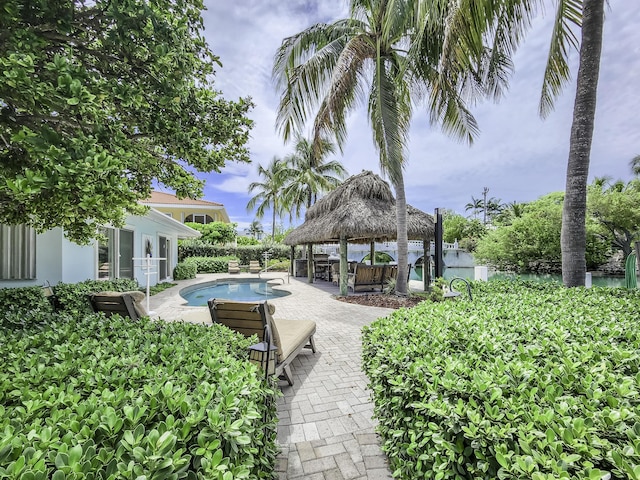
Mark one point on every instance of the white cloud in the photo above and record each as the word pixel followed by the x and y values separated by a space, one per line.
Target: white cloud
pixel 517 155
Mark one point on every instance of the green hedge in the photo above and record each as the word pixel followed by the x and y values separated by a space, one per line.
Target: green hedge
pixel 21 305
pixel 24 306
pixel 210 264
pixel 96 399
pixel 185 271
pixel 526 381
pixel 245 253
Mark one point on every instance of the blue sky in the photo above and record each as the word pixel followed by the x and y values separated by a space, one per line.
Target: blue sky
pixel 517 155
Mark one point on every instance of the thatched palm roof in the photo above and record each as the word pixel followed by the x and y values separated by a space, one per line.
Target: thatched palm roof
pixel 362 209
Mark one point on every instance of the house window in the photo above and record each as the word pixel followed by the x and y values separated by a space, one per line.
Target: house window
pixel 17 252
pixel 115 255
pixel 199 218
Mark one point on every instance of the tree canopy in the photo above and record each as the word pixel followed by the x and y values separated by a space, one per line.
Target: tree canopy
pixel 615 207
pixel 215 232
pixel 531 242
pixel 100 99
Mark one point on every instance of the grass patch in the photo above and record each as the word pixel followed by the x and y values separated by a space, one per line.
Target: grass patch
pixel 158 287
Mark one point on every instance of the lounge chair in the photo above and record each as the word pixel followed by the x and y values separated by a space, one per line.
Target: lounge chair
pixel 254 266
pixel 125 304
pixel 234 266
pixel 249 318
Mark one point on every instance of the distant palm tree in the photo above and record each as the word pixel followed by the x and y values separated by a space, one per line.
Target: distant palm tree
pixel 306 173
pixel 492 207
pixel 635 165
pixel 255 229
pixel 476 206
pixel 515 209
pixel 385 55
pixel 269 192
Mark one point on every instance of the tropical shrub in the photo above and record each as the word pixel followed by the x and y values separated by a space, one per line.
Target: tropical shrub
pixel 215 232
pixel 245 253
pixel 210 264
pixel 525 381
pixel 531 242
pixel 88 398
pixel 23 306
pixel 279 265
pixel 247 241
pixel 185 271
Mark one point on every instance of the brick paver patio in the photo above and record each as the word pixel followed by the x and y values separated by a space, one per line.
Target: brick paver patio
pixel 325 429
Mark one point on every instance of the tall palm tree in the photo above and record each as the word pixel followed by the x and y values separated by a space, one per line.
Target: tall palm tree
pixel 307 173
pixel 384 55
pixel 573 238
pixel 504 24
pixel 269 192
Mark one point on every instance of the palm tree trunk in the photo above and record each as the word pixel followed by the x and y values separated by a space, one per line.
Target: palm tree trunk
pixel 273 225
pixel 574 235
pixel 403 242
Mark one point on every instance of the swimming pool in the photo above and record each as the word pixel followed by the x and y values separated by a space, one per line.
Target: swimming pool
pixel 243 289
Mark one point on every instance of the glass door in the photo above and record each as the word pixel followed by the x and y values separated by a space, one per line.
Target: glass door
pixel 125 251
pixel 162 253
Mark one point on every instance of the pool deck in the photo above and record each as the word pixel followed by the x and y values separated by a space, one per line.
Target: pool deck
pixel 325 430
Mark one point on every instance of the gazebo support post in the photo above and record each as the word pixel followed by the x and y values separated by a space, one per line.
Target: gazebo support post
pixel 372 252
pixel 292 261
pixel 426 273
pixel 344 266
pixel 310 272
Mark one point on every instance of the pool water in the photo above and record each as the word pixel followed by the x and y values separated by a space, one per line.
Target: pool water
pixel 246 290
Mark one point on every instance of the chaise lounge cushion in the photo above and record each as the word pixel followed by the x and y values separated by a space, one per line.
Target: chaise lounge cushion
pixel 289 334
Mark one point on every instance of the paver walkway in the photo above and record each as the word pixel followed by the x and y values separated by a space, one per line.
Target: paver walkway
pixel 325 429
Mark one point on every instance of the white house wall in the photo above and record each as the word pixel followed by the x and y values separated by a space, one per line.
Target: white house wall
pixel 48 261
pixel 144 227
pixel 60 260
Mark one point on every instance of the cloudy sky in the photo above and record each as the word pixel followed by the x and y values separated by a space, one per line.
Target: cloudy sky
pixel 517 155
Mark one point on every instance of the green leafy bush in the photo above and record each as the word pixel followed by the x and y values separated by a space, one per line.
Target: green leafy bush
pixel 215 232
pixel 23 306
pixel 525 381
pixel 72 297
pixel 245 253
pixel 185 271
pixel 279 265
pixel 90 398
pixel 210 264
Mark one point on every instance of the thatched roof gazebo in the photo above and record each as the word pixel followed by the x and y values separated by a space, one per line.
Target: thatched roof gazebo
pixel 361 210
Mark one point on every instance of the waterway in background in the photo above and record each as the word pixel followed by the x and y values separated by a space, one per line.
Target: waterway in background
pixel 468 273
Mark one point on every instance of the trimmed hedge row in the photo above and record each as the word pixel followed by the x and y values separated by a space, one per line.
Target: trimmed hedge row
pixel 527 381
pixel 245 253
pixel 88 398
pixel 210 264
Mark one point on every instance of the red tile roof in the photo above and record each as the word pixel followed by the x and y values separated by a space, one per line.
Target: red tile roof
pixel 169 199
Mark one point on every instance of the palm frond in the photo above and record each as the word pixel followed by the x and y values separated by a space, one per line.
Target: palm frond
pixel 390 116
pixel 345 88
pixel 302 70
pixel 563 38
